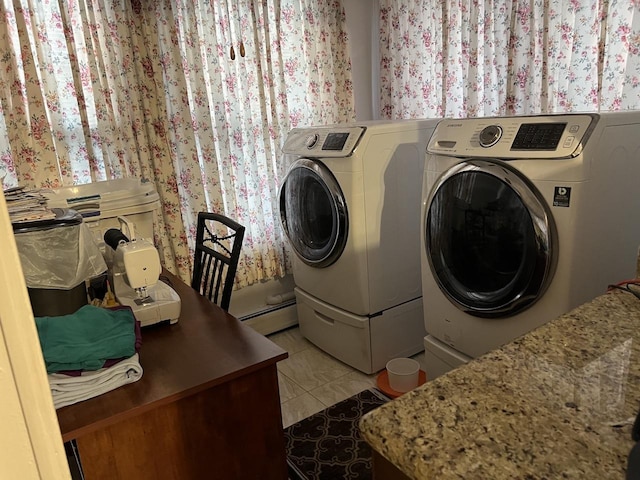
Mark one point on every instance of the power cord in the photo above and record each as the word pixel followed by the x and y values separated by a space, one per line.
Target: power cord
pixel 625 286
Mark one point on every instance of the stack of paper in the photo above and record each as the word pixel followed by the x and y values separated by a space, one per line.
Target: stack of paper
pixel 27 205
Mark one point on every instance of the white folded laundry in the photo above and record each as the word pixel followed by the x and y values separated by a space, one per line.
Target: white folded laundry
pixel 67 390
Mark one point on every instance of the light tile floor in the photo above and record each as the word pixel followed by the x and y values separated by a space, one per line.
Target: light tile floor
pixel 311 380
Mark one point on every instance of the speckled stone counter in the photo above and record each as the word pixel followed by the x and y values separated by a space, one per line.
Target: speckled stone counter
pixel 558 402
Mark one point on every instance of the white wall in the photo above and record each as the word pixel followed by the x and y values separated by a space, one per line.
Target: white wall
pixel 362 28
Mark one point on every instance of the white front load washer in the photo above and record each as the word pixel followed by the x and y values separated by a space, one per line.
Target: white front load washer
pixel 523 219
pixel 350 207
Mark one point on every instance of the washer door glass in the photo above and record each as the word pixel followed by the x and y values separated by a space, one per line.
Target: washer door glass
pixel 313 213
pixel 489 238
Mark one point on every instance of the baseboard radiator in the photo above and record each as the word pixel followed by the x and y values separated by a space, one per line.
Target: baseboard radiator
pixel 266 308
pixel 273 319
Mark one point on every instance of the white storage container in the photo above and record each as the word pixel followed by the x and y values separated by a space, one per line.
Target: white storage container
pixel 100 203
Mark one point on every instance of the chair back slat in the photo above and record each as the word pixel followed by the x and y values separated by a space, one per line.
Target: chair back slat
pixel 217 251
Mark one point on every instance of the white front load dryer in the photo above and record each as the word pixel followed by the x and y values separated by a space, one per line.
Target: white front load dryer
pixel 350 207
pixel 523 219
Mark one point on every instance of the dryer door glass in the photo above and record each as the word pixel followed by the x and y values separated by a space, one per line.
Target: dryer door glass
pixel 313 213
pixel 489 239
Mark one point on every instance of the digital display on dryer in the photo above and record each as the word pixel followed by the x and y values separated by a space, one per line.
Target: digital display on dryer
pixel 335 141
pixel 538 136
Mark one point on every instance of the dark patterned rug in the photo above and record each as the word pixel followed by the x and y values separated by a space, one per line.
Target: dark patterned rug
pixel 328 444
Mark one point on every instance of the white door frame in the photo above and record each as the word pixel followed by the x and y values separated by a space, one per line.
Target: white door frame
pixel 30 443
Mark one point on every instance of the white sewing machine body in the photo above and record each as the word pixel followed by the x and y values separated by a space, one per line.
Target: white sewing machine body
pixel 134 271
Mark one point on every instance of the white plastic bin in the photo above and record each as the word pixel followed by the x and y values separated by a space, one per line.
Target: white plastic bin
pixel 100 203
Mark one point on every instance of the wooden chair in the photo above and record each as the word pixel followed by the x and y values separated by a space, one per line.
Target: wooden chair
pixel 218 245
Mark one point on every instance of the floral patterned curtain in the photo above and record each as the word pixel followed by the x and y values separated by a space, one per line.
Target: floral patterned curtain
pixel 248 72
pixel 462 58
pixel 196 96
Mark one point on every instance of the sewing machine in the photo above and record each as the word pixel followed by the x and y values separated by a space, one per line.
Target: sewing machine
pixel 134 271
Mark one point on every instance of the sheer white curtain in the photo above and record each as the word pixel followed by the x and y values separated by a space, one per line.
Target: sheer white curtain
pixel 99 89
pixel 491 57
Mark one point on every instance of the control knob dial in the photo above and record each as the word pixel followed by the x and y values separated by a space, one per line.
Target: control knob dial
pixel 490 135
pixel 311 140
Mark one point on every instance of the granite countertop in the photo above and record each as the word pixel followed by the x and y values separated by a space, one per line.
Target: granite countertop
pixel 558 402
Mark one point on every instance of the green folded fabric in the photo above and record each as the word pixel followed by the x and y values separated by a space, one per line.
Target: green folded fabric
pixel 85 339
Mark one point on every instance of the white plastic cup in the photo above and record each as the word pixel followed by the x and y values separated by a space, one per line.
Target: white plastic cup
pixel 403 374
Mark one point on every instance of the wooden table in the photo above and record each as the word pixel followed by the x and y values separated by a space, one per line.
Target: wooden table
pixel 207 405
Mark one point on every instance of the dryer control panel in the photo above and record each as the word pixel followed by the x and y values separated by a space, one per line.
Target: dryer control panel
pixel 540 136
pixel 327 142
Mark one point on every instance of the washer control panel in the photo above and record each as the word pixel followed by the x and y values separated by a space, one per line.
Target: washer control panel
pixel 323 141
pixel 541 136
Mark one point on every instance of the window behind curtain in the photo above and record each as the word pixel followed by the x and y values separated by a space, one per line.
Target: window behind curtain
pixel 146 89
